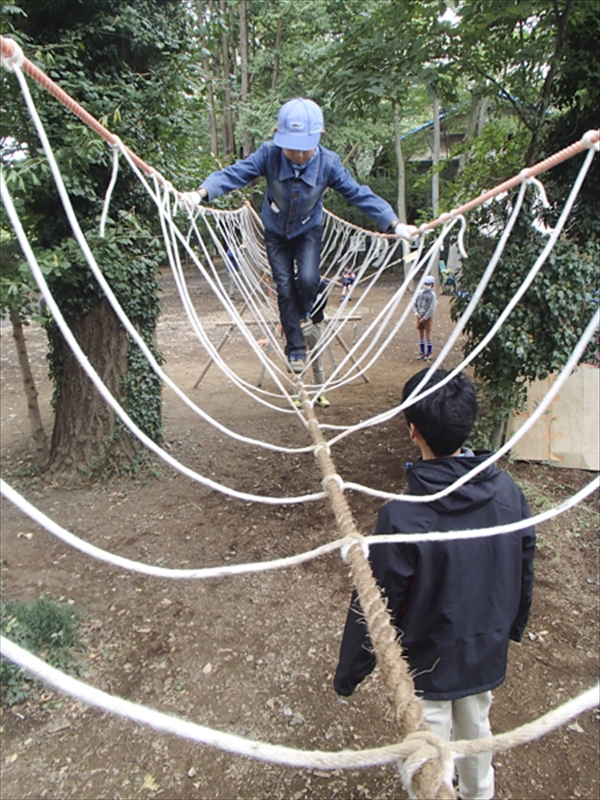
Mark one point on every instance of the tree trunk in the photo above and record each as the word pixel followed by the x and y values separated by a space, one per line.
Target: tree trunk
pixel 435 181
pixel 401 168
pixel 86 436
pixel 210 79
pixel 38 434
pixel 474 116
pixel 546 92
pixel 228 144
pixel 219 116
pixel 278 37
pixel 245 83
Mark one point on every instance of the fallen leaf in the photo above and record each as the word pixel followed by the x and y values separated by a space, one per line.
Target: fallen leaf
pixel 207 669
pixel 150 783
pixel 575 726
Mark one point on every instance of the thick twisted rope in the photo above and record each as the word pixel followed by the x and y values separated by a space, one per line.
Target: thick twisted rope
pixel 428 776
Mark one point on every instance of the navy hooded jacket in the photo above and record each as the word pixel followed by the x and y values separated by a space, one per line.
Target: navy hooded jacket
pixel 455 604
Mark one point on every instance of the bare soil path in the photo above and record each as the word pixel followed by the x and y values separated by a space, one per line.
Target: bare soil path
pixel 254 655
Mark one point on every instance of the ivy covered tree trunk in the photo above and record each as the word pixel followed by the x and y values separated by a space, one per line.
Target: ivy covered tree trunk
pixel 94 440
pixel 101 51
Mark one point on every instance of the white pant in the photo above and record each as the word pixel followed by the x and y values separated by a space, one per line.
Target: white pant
pixel 467 718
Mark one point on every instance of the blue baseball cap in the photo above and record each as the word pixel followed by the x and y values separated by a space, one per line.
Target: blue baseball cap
pixel 299 125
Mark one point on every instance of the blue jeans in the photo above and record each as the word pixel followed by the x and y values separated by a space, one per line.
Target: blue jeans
pixel 295 267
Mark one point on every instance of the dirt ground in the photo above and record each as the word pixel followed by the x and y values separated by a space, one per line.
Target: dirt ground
pixel 254 655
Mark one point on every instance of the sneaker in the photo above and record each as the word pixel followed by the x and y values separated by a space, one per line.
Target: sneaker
pixel 323 401
pixel 306 325
pixel 421 357
pixel 297 362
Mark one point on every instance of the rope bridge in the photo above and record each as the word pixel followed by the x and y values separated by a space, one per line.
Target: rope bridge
pixel 426 760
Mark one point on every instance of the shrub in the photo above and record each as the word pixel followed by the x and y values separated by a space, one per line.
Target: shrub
pixel 45 627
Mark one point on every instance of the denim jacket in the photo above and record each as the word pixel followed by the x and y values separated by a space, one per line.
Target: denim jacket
pixel 293 201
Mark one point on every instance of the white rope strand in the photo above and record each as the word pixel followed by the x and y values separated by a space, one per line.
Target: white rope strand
pixel 275 754
pixel 283 563
pixel 124 319
pixel 543 404
pixel 108 397
pixel 391 413
pixel 147 569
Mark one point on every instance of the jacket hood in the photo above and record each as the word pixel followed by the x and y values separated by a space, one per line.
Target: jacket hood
pixel 433 475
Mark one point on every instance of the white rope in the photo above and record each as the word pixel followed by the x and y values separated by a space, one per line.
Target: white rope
pixel 147 569
pixel 124 319
pixel 283 563
pixel 108 397
pixel 572 362
pixel 111 186
pixel 391 413
pixel 170 230
pixel 358 487
pixel 275 754
pixel 531 730
pixel 199 733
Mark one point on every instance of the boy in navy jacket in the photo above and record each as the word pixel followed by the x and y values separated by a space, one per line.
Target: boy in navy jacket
pixel 455 603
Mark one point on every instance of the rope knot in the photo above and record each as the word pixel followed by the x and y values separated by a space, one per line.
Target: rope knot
pixel 333 477
pixel 591 139
pixel 322 446
pixel 524 175
pixel 15 59
pixel 427 746
pixel 349 542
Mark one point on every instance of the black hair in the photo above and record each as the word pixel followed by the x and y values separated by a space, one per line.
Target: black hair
pixel 445 417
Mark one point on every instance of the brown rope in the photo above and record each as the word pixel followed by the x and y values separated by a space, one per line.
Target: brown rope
pixel 408 716
pixel 8 49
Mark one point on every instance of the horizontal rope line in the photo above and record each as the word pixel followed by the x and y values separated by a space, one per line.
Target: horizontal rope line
pixel 283 563
pixel 277 754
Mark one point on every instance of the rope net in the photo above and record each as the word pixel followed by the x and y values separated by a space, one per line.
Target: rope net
pixel 209 238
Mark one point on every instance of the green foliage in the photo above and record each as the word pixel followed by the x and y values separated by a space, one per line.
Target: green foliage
pixel 494 156
pixel 510 46
pixel 388 49
pixel 48 629
pixel 541 332
pixel 107 55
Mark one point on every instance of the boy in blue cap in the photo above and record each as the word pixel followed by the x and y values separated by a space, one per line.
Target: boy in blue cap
pixel 298 170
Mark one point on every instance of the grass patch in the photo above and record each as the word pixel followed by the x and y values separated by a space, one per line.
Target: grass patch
pixel 46 628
